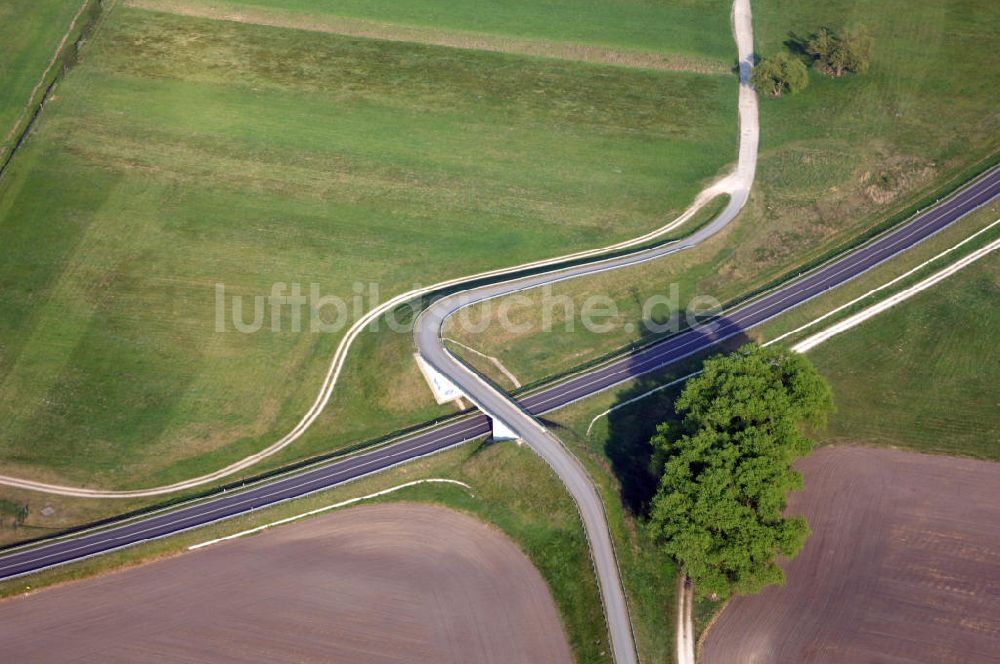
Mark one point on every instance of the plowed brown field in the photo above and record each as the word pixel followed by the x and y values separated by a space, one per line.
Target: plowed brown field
pixel 381 583
pixel 903 566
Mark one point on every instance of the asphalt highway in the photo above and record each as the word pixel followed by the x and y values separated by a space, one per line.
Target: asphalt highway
pixel 22 561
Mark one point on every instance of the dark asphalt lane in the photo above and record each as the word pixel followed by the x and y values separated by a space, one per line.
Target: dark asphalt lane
pixel 18 562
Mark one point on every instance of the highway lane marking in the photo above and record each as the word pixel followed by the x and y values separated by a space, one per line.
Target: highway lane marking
pixel 872 311
pixel 878 244
pixel 326 508
pixel 134 534
pixel 657 356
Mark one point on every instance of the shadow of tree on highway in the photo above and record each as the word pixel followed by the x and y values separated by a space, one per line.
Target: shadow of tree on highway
pixel 631 425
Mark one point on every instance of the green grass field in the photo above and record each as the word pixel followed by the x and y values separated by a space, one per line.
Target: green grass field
pixel 512 489
pixel 925 374
pixel 695 28
pixel 182 152
pixel 835 161
pixel 30 32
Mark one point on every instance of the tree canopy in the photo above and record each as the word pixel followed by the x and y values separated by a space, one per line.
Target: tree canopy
pixel 726 467
pixel 780 74
pixel 836 54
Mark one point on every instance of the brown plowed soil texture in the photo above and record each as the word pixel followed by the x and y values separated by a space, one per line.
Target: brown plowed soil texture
pixel 380 583
pixel 903 566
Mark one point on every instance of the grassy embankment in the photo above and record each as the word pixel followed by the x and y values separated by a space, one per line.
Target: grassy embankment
pixel 511 489
pixel 184 152
pixel 30 35
pixel 836 161
pixel 924 375
pixel 920 376
pixel 692 34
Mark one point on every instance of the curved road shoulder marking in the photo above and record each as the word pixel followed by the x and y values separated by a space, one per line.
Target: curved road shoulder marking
pixel 811 342
pixel 327 508
pixel 736 184
pixel 832 312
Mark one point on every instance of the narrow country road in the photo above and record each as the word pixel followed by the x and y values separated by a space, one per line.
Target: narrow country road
pixel 498 404
pixel 736 185
pixel 72 547
pixel 685 623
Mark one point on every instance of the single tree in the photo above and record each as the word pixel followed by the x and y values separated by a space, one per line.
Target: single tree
pixel 21 515
pixel 726 468
pixel 780 74
pixel 836 54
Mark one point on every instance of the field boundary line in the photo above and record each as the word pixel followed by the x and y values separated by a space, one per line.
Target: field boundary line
pixel 457 38
pixel 326 508
pixel 45 74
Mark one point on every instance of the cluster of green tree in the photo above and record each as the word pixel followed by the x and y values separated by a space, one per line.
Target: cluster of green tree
pixel 836 54
pixel 726 468
pixel 831 53
pixel 18 511
pixel 779 74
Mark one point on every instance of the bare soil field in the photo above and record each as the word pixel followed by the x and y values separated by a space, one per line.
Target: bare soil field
pixel 380 583
pixel 903 566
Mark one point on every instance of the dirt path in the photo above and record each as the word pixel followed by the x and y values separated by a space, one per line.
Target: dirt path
pixel 685 623
pixel 355 27
pixel 903 565
pixel 380 583
pixel 736 185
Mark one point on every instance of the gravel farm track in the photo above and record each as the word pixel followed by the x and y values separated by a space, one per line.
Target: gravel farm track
pixel 378 583
pixel 903 566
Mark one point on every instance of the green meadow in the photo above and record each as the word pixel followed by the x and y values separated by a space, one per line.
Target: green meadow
pixel 181 153
pixel 30 32
pixel 925 374
pixel 837 160
pixel 695 28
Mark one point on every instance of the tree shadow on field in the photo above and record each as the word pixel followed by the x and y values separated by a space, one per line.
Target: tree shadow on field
pixel 797 44
pixel 631 425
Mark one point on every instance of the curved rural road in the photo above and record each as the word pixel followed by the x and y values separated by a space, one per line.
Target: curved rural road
pixel 73 547
pixel 736 185
pixel 489 398
pixel 733 184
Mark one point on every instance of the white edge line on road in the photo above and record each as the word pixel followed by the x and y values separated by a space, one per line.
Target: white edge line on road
pixel 886 304
pixel 888 284
pixel 856 319
pixel 233 516
pixel 326 508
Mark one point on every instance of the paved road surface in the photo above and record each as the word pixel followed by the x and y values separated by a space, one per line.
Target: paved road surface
pixel 736 184
pixel 492 400
pixel 17 562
